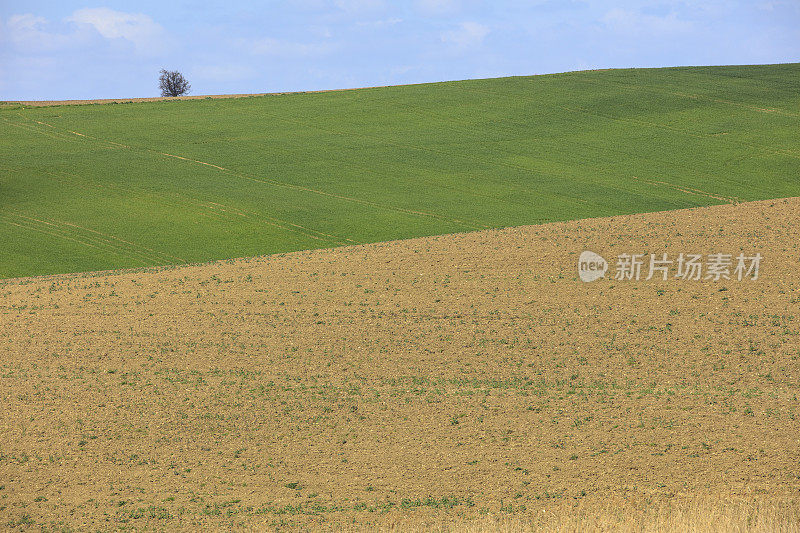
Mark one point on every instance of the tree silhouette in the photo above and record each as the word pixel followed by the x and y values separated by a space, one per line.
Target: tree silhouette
pixel 172 83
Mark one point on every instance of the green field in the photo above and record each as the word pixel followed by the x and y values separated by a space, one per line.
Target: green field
pixel 91 187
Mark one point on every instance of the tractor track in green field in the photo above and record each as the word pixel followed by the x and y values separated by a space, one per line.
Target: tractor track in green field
pixel 689 190
pixel 29 127
pixel 324 193
pixel 289 226
pixel 686 190
pixel 205 208
pixel 273 182
pixel 90 238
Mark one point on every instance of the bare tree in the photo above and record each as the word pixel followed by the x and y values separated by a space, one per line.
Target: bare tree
pixel 172 83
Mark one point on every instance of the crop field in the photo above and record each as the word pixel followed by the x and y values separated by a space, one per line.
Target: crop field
pixel 95 187
pixel 460 382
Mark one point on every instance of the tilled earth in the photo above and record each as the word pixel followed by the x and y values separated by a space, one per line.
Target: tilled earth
pixel 455 376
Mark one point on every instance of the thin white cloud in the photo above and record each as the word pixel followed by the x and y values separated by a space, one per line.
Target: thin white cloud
pixel 30 33
pixel 380 23
pixel 468 34
pixel 779 4
pixel 145 34
pixel 26 22
pixel 359 6
pixel 437 7
pixel 276 47
pixel 627 21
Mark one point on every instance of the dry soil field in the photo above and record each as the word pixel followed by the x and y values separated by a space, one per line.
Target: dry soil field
pixel 466 381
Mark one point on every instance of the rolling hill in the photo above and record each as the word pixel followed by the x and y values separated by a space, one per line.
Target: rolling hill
pixel 437 382
pixel 94 187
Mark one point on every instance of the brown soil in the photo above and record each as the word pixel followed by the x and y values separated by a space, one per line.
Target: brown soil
pixel 44 103
pixel 427 381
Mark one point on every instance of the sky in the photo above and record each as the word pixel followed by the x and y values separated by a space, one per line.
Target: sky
pixel 112 49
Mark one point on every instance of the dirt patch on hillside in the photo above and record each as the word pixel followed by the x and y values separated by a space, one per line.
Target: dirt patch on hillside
pixel 445 378
pixel 47 103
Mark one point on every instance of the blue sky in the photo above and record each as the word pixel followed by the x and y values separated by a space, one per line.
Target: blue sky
pixel 65 50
